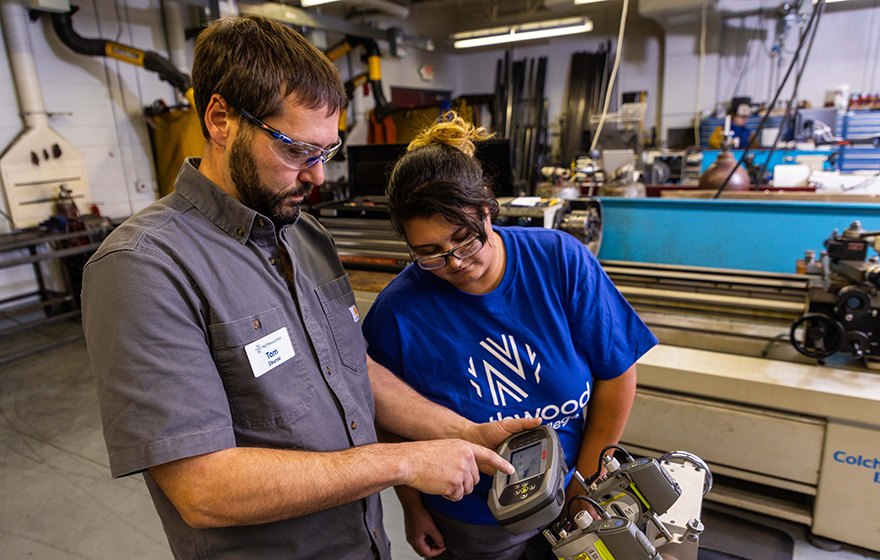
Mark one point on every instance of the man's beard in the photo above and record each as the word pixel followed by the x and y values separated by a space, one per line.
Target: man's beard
pixel 251 191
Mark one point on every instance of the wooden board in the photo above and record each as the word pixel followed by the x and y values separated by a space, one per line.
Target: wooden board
pixel 370 280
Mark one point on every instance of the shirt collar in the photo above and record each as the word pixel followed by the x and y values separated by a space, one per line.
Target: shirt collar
pixel 230 215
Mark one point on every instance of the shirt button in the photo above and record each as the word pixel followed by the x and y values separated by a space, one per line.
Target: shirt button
pixel 328 370
pixel 240 231
pixel 261 222
pixel 272 261
pixel 354 425
pixel 256 324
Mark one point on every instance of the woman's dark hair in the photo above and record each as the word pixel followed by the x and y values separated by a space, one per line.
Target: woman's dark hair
pixel 438 174
pixel 255 63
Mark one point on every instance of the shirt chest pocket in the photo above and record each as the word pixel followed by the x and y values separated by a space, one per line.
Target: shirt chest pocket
pixel 337 300
pixel 258 398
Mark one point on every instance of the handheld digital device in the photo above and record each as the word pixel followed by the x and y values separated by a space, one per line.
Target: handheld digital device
pixel 535 493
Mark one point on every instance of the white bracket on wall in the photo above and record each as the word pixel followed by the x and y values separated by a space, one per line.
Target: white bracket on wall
pixel 33 169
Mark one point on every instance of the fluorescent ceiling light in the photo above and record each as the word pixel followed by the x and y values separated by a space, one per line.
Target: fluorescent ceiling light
pixel 576 2
pixel 524 32
pixel 310 3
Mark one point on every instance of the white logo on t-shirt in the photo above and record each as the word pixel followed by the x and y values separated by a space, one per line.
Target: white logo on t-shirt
pixel 508 361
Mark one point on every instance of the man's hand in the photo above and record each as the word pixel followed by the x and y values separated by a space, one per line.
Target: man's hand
pixel 492 434
pixel 447 467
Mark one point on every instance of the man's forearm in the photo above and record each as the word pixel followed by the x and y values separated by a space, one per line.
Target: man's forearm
pixel 402 410
pixel 246 486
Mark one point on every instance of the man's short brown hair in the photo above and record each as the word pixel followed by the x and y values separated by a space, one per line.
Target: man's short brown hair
pixel 255 63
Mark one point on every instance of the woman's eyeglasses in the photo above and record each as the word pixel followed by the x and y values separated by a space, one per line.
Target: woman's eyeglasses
pixel 435 262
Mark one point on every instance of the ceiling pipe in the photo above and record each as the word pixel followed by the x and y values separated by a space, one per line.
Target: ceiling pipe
pixel 385 6
pixel 39 165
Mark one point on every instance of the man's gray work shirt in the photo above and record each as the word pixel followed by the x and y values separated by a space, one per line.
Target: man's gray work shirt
pixel 171 300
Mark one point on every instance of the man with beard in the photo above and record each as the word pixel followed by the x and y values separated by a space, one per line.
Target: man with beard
pixel 225 339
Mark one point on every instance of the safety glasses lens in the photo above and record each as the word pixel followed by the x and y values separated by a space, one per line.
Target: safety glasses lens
pixel 469 250
pixel 301 156
pixel 432 263
pixel 293 155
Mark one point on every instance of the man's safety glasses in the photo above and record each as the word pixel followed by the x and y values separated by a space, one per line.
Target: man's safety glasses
pixel 294 154
pixel 435 262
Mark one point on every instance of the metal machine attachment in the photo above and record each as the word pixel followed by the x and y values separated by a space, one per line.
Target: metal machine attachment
pixel 584 222
pixel 637 493
pixel 843 303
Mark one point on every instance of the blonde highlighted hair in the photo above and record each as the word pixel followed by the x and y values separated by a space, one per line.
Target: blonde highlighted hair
pixel 452 131
pixel 439 174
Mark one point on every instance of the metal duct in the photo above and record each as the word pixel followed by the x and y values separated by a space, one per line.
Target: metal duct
pixel 39 161
pixel 21 59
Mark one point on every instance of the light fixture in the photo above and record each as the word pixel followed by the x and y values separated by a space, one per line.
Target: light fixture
pixel 577 2
pixel 523 32
pixel 310 3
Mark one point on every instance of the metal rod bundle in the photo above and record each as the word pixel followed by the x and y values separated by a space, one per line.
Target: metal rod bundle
pixel 521 113
pixel 588 81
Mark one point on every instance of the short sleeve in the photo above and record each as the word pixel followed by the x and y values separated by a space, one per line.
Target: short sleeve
pixel 603 324
pixel 382 335
pixel 160 395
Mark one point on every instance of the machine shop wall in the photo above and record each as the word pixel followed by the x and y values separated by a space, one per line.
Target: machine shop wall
pixel 99 101
pixel 99 105
pixel 846 51
pixel 640 65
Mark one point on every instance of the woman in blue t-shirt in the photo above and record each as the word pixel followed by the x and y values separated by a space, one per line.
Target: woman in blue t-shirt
pixel 496 323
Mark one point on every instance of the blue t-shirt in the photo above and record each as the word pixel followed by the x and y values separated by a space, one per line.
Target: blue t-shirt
pixel 531 347
pixel 743 133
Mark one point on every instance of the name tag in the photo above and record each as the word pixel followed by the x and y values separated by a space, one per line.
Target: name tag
pixel 269 352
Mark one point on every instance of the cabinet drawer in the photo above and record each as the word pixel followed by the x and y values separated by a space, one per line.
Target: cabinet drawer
pixel 771 443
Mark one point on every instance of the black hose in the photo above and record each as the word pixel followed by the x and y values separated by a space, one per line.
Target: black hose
pixel 63 26
pixel 787 117
pixel 599 509
pixel 155 62
pixel 598 472
pixel 382 107
pixel 816 8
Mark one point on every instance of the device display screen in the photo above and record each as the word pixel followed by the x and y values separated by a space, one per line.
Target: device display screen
pixel 526 462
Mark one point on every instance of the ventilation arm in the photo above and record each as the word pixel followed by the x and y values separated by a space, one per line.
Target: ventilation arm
pixel 63 25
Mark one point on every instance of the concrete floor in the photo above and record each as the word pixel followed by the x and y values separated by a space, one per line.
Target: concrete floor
pixel 57 500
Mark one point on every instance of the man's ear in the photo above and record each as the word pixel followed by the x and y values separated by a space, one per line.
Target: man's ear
pixel 219 120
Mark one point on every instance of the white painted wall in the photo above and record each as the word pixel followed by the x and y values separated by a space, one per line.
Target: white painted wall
pixel 682 67
pixel 846 51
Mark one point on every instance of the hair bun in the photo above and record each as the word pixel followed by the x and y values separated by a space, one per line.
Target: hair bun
pixel 452 131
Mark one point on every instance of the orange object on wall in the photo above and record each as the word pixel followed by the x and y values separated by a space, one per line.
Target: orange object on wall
pixel 384 132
